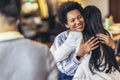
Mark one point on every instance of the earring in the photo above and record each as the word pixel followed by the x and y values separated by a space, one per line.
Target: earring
pixel 67 26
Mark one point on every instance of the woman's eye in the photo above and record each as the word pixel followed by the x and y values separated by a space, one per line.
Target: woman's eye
pixel 79 17
pixel 72 20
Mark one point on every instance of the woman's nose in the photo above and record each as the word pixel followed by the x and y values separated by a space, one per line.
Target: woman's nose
pixel 77 21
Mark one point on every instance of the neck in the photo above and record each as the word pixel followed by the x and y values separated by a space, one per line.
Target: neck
pixel 7 28
pixel 6 25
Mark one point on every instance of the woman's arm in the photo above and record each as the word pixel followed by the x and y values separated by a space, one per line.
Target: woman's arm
pixel 69 65
pixel 62 50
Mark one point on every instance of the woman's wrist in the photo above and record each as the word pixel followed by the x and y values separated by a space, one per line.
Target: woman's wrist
pixel 114 46
pixel 80 53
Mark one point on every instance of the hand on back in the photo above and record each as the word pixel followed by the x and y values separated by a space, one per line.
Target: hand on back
pixel 106 39
pixel 88 46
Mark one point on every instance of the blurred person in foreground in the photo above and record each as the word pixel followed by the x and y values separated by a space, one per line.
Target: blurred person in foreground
pixel 20 58
pixel 66 47
pixel 99 64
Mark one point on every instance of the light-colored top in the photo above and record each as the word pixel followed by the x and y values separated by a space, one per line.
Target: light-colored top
pixel 84 73
pixel 10 35
pixel 64 51
pixel 23 59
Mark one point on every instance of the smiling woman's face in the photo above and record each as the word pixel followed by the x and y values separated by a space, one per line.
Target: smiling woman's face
pixel 75 21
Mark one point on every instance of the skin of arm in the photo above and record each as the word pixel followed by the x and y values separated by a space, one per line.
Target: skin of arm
pixel 106 39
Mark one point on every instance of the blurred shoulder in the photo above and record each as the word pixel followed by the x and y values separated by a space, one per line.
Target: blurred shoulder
pixel 30 45
pixel 62 35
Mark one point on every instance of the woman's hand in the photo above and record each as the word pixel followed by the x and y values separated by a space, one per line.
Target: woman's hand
pixel 106 39
pixel 88 46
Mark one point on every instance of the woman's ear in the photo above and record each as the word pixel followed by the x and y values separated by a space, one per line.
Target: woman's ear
pixel 66 25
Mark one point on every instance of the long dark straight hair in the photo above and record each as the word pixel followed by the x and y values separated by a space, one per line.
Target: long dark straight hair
pixel 102 58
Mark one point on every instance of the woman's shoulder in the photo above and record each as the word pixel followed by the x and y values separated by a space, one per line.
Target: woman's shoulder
pixel 63 35
pixel 60 39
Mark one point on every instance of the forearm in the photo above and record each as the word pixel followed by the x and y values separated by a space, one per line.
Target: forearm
pixel 69 65
pixel 63 51
pixel 113 45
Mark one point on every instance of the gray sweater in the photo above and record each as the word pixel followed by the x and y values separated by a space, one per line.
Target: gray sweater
pixel 23 59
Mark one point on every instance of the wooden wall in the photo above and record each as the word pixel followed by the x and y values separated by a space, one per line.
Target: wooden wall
pixel 114 10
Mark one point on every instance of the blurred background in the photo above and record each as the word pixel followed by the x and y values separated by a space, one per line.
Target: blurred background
pixel 39 21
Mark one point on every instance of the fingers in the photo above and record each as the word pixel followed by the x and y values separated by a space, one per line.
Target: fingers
pixel 81 42
pixel 90 39
pixel 94 44
pixel 94 47
pixel 106 39
pixel 91 44
pixel 102 42
pixel 103 37
pixel 95 40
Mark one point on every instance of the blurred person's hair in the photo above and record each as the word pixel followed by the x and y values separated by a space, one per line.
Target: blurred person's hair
pixel 10 9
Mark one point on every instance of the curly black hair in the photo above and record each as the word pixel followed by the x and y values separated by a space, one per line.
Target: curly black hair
pixel 65 8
